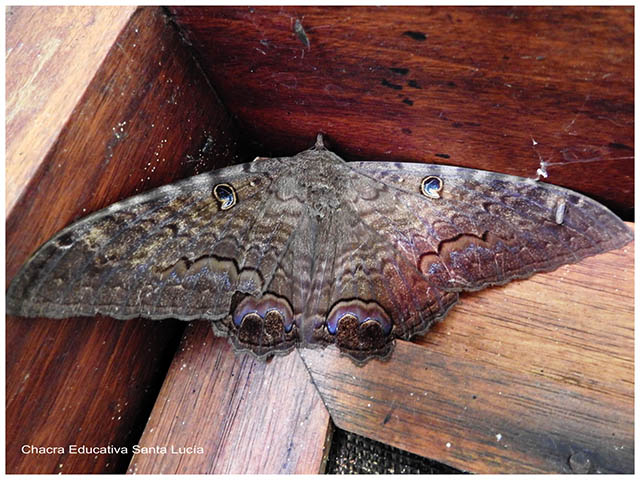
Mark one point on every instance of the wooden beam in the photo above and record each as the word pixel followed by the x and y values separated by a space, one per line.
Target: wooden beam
pixel 246 415
pixel 52 55
pixel 534 376
pixel 144 115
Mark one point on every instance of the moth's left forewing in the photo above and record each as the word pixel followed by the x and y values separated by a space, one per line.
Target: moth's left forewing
pixel 488 228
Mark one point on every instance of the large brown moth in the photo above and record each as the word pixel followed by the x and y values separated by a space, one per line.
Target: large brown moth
pixel 312 250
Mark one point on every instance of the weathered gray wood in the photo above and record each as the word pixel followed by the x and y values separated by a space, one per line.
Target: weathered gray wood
pixel 247 415
pixel 535 376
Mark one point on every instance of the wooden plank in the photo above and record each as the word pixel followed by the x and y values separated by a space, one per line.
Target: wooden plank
pixel 80 382
pixel 499 89
pixel 147 117
pixel 52 55
pixel 246 415
pixel 534 376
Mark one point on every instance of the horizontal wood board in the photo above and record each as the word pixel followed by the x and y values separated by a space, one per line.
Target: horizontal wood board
pixel 495 88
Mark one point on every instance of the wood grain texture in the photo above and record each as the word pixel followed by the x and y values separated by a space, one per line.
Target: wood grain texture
pixel 479 90
pixel 80 382
pixel 499 89
pixel 247 415
pixel 52 54
pixel 534 376
pixel 147 117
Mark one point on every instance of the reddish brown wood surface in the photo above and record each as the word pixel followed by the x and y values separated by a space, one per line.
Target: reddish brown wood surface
pixel 148 116
pixel 535 376
pixel 80 382
pixel 52 55
pixel 248 416
pixel 500 89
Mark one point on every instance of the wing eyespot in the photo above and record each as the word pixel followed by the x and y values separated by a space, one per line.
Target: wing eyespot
pixel 431 186
pixel 225 194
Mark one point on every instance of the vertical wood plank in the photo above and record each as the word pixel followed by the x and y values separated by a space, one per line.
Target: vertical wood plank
pixel 52 55
pixel 246 415
pixel 148 116
pixel 80 382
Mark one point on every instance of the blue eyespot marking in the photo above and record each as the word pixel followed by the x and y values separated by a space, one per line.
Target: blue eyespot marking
pixel 262 307
pixel 360 311
pixel 431 187
pixel 225 194
pixel 332 327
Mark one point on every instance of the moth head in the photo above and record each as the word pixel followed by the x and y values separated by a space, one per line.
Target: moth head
pixel 431 186
pixel 225 194
pixel 319 142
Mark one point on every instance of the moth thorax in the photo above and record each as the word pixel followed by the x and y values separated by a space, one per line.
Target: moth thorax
pixel 323 200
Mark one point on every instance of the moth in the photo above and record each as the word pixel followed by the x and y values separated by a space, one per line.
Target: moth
pixel 312 250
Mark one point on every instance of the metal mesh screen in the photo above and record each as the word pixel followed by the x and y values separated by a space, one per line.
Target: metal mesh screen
pixel 351 453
